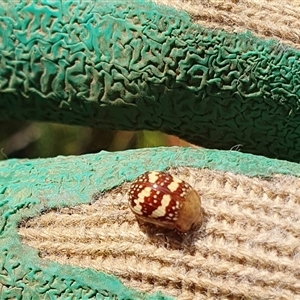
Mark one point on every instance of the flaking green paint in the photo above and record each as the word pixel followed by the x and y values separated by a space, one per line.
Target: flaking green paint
pixel 30 186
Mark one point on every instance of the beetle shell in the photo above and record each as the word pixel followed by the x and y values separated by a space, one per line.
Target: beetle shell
pixel 165 200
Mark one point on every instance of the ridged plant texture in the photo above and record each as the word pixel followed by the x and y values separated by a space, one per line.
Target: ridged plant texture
pixel 138 65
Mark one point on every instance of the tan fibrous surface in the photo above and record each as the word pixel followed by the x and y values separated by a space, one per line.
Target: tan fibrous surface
pixel 276 19
pixel 248 246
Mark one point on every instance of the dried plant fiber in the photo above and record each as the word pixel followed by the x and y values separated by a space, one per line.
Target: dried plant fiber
pixel 247 248
pixel 65 229
pixel 276 19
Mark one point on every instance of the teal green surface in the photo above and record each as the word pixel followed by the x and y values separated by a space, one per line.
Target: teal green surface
pixel 29 187
pixel 130 65
pixel 136 65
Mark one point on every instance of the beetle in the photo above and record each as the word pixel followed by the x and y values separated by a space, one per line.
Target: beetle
pixel 165 200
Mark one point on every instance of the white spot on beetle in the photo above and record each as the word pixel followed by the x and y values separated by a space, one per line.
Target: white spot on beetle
pixel 140 200
pixel 161 210
pixel 173 186
pixel 153 176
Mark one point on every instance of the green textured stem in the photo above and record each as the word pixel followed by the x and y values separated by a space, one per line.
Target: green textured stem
pixel 136 65
pixel 68 181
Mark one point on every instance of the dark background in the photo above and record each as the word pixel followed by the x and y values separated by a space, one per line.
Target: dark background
pixel 38 140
